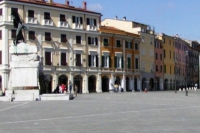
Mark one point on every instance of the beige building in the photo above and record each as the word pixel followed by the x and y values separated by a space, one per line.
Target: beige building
pixel 65 36
pixel 146 56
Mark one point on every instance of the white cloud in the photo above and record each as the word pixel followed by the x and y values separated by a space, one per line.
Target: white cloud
pixel 95 7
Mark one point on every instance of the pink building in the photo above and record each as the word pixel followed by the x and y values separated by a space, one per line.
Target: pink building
pixel 159 73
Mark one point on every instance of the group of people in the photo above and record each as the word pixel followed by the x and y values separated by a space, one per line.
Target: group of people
pixel 118 88
pixel 62 89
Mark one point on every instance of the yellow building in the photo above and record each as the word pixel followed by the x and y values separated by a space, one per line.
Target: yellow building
pixel 120 59
pixel 65 36
pixel 169 61
pixel 146 56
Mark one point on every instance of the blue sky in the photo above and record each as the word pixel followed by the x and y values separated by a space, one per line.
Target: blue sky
pixel 167 16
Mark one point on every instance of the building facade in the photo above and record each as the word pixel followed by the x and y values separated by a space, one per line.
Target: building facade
pixel 66 38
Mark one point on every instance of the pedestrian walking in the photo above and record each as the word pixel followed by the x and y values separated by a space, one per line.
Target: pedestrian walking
pixel 75 90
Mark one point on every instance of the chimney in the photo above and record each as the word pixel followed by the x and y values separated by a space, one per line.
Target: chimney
pixel 124 18
pixel 50 1
pixel 67 2
pixel 116 17
pixel 84 5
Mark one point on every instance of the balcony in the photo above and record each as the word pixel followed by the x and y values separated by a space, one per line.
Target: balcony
pixel 31 20
pixel 48 22
pixel 63 24
pixel 77 26
pixel 91 27
pixel 10 18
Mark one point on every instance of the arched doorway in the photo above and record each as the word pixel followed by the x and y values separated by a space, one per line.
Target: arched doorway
pixel 62 79
pixel 151 84
pixel 92 84
pixel 166 84
pixel 128 84
pixel 78 82
pixel 135 84
pixel 105 84
pixel 144 84
pixel 117 80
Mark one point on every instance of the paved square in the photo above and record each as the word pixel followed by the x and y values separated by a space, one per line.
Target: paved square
pixel 133 112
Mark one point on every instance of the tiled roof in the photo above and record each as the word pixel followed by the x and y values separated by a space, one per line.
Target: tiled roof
pixel 110 29
pixel 56 5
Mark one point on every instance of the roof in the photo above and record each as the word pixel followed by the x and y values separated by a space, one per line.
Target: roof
pixel 113 30
pixel 55 5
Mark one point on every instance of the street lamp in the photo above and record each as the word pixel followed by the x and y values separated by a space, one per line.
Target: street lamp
pixel 186 55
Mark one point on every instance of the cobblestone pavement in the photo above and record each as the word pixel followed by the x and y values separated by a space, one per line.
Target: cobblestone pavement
pixel 129 112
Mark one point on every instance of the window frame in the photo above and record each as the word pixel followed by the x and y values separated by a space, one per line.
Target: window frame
pixel 48 37
pixel 31 36
pixel 30 13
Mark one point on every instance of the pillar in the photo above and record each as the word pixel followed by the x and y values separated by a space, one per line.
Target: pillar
pixel 85 88
pixel 139 85
pixel 71 79
pixel 111 83
pixel 123 82
pixel 5 13
pixel 55 79
pixel 99 87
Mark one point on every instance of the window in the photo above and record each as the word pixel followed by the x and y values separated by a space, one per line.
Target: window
pixel 77 20
pixel 136 46
pixel 129 62
pixel 47 58
pixel 0 34
pixel 13 33
pixel 30 13
pixel 47 36
pixel 78 39
pixel 164 68
pixel 136 63
pixel 156 56
pixel 63 38
pixel 63 59
pixel 31 35
pixel 91 21
pixel 128 45
pixel 62 18
pixel 143 66
pixel 92 40
pixel 118 42
pixel 14 10
pixel 160 56
pixel 106 61
pixel 1 12
pixel 78 59
pixel 105 42
pixel 0 57
pixel 164 54
pixel 156 68
pixel 161 69
pixel 119 62
pixel 47 15
pixel 93 60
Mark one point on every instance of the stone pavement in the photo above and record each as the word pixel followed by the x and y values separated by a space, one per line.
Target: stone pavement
pixel 130 112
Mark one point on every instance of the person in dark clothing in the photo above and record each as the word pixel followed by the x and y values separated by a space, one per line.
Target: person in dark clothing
pixel 57 89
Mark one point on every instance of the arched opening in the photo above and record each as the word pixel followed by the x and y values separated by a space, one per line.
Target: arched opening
pixel 92 84
pixel 170 85
pixel 128 84
pixel 144 84
pixel 166 84
pixel 62 79
pixel 117 80
pixel 78 82
pixel 135 84
pixel 105 84
pixel 151 84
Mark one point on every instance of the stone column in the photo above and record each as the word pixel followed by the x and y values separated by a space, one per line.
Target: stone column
pixel 123 82
pixel 139 87
pixel 85 90
pixel 55 79
pixel 131 84
pixel 71 79
pixel 111 83
pixel 99 84
pixel 5 13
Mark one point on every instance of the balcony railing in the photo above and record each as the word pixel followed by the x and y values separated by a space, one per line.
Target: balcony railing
pixel 91 27
pixel 63 24
pixel 48 22
pixel 31 20
pixel 77 26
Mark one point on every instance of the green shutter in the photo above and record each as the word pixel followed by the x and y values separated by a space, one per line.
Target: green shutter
pixel 109 61
pixel 122 62
pixel 115 62
pixel 102 61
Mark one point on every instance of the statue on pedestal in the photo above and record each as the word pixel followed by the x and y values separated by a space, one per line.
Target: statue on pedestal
pixel 17 23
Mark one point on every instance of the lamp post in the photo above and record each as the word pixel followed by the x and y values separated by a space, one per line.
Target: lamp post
pixel 186 55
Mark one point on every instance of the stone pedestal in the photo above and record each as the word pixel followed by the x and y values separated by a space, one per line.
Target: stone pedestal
pixel 24 69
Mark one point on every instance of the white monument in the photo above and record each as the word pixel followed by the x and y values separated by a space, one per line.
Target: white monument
pixel 24 72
